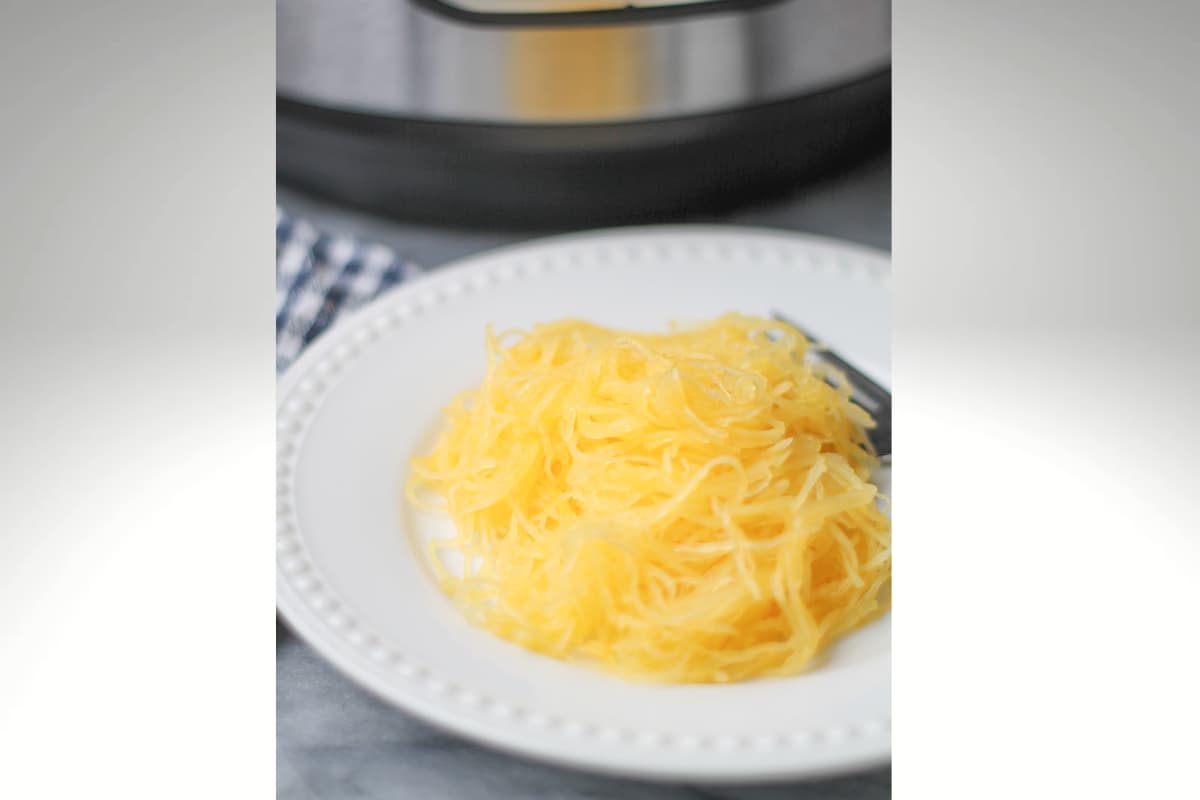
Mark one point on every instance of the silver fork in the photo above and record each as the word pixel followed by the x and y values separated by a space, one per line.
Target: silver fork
pixel 867 393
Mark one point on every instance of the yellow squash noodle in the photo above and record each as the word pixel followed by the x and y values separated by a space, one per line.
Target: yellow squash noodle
pixel 693 506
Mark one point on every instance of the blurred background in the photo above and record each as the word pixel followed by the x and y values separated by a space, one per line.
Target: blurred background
pixel 411 133
pixel 561 114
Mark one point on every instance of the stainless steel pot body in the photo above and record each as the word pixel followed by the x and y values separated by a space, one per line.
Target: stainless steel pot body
pixel 447 61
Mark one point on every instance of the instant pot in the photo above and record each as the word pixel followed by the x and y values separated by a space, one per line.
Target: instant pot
pixel 557 112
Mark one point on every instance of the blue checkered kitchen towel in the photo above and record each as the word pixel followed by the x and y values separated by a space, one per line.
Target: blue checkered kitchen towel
pixel 319 276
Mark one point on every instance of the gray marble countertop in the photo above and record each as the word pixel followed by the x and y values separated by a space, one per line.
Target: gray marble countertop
pixel 334 740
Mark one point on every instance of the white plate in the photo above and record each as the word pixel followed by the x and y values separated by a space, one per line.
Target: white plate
pixel 368 395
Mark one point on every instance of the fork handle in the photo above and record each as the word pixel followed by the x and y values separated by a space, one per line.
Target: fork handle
pixel 878 398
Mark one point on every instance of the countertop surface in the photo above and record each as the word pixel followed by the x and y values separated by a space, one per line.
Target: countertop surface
pixel 335 741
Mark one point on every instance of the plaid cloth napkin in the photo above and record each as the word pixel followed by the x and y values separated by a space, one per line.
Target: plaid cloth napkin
pixel 319 276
